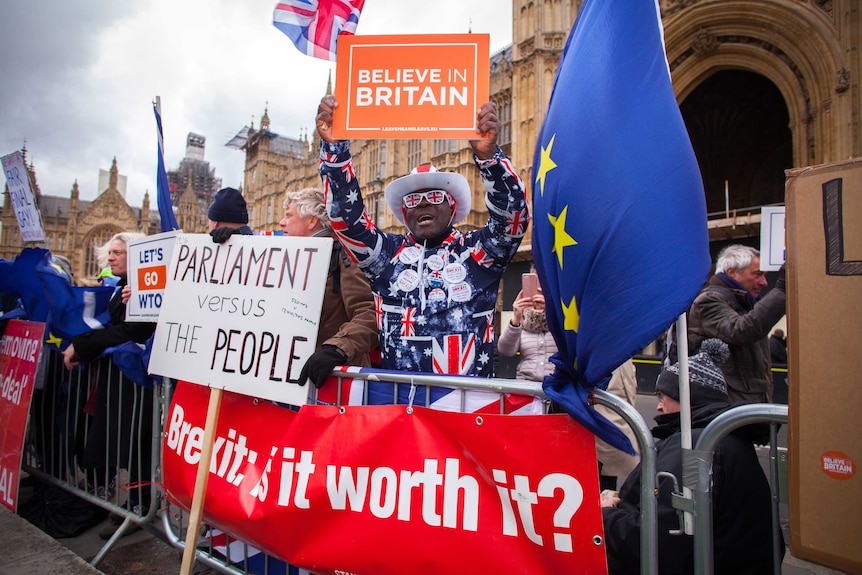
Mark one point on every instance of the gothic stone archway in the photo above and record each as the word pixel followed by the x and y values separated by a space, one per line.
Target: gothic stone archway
pixel 738 125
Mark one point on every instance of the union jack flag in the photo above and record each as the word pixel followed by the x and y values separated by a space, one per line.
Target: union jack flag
pixel 408 322
pixel 314 25
pixel 351 246
pixel 489 330
pixel 349 171
pixel 397 253
pixel 455 357
pixel 516 223
pixel 378 310
pixel 481 257
pixel 249 558
pixel 348 390
pixel 366 220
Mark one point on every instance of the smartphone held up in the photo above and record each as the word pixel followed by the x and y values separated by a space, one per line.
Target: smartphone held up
pixel 529 285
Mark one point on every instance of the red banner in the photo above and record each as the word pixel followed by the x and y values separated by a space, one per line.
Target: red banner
pixel 19 358
pixel 377 489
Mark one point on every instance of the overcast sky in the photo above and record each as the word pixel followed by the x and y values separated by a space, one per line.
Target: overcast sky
pixel 78 79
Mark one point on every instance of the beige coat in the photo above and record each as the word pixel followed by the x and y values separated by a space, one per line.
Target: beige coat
pixel 623 384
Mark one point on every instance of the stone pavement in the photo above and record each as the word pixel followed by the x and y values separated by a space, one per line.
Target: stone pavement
pixel 146 552
pixel 29 550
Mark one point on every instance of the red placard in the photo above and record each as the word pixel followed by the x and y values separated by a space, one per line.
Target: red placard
pixel 20 349
pixel 328 489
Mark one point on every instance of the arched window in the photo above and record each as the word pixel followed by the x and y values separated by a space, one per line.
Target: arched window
pixel 97 237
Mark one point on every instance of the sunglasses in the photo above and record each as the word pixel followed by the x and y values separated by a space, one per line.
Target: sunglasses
pixel 434 197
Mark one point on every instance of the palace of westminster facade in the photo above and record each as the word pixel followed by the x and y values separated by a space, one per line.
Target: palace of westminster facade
pixel 763 86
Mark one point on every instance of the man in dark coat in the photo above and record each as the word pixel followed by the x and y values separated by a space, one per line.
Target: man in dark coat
pixel 731 309
pixel 742 517
pixel 778 348
pixel 121 434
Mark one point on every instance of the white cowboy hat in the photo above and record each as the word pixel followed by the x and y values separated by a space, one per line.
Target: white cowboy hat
pixel 427 177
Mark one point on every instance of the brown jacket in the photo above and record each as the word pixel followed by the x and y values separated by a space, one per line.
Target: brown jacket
pixel 348 320
pixel 623 384
pixel 725 313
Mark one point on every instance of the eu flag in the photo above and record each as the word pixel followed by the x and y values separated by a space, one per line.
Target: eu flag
pixel 73 309
pixel 48 296
pixel 18 277
pixel 620 236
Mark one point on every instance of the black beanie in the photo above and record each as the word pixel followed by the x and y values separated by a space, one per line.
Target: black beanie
pixel 228 207
pixel 706 382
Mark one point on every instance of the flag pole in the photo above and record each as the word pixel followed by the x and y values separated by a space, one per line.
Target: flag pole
pixel 168 220
pixel 685 405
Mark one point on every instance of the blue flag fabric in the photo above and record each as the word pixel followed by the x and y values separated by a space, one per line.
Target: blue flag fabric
pixel 18 277
pixel 74 310
pixel 48 296
pixel 620 238
pixel 163 195
pixel 132 359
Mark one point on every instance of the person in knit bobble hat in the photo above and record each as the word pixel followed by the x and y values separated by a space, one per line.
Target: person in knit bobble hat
pixel 742 517
pixel 228 215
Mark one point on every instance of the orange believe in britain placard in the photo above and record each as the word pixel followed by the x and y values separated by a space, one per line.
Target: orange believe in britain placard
pixel 410 86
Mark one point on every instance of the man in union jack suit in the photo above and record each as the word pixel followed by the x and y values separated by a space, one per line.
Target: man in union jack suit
pixel 435 289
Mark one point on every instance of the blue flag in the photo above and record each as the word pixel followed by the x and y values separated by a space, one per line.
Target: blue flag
pixel 132 359
pixel 73 310
pixel 18 277
pixel 620 237
pixel 163 191
pixel 48 296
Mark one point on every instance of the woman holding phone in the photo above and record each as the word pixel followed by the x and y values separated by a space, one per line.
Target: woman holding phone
pixel 527 332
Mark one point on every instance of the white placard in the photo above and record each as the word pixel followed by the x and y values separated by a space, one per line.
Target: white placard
pixel 23 201
pixel 773 249
pixel 243 315
pixel 148 260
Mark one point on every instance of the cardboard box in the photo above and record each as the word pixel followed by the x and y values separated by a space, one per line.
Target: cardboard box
pixel 824 320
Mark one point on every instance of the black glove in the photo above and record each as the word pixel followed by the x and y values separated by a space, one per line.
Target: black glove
pixel 781 282
pixel 320 365
pixel 220 235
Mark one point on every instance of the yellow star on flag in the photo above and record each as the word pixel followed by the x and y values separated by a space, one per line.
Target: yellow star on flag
pixel 546 164
pixel 571 316
pixel 53 340
pixel 561 238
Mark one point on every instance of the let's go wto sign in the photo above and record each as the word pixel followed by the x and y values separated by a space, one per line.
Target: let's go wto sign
pixel 148 260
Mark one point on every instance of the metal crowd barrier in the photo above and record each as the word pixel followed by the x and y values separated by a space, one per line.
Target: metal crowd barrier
pixel 709 439
pixel 66 429
pixel 61 423
pixel 175 520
